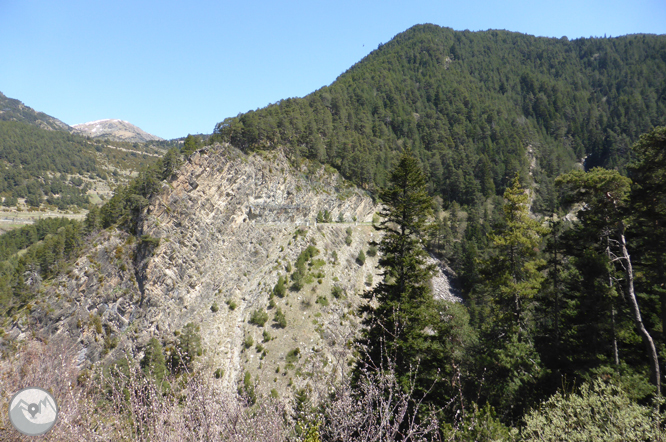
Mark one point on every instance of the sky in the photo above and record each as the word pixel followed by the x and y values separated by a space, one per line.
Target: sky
pixel 178 67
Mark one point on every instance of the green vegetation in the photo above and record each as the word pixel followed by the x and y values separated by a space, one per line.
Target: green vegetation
pixel 300 277
pixel 348 237
pixel 360 259
pixel 471 105
pixel 187 348
pixel 280 289
pixel 372 250
pixel 292 355
pixel 279 318
pixel 337 292
pixel 259 317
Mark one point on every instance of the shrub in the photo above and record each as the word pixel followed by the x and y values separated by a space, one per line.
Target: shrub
pixel 214 308
pixel 187 348
pixel 372 250
pixel 279 318
pixel 279 290
pixel 249 341
pixel 292 356
pixel 267 336
pixel 598 409
pixel 218 373
pixel 323 301
pixel 337 292
pixel 232 304
pixel 360 259
pixel 259 317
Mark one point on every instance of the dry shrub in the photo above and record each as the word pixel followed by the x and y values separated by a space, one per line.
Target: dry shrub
pixel 124 404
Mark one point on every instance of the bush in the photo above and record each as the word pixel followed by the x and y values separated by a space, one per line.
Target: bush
pixel 323 301
pixel 372 250
pixel 279 290
pixel 337 292
pixel 259 317
pixel 187 348
pixel 249 341
pixel 292 356
pixel 360 259
pixel 214 308
pixel 598 411
pixel 279 318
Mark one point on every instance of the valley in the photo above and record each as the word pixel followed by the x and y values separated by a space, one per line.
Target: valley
pixel 422 230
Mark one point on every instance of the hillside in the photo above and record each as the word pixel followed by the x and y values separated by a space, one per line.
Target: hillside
pixel 47 165
pixel 472 105
pixel 114 130
pixel 243 262
pixel 212 244
pixel 14 110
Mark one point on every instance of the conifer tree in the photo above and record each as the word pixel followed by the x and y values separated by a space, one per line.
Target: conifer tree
pixel 511 278
pixel 605 194
pixel 397 324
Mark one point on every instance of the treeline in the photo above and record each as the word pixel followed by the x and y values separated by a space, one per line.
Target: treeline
pixel 33 253
pixel 475 107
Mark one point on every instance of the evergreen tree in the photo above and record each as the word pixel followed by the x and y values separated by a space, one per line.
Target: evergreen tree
pixel 605 195
pixel 153 362
pixel 397 325
pixel 511 279
pixel 648 204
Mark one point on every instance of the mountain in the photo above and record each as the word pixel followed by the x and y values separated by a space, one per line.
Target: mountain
pixel 214 251
pixel 214 241
pixel 476 107
pixel 14 110
pixel 47 164
pixel 117 130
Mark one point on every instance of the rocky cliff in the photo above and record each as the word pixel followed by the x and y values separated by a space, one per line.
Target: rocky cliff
pixel 213 244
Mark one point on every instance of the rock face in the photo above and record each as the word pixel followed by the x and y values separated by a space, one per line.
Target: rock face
pixel 117 130
pixel 228 226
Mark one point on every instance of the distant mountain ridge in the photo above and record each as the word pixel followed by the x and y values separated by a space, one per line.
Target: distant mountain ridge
pixel 114 129
pixel 14 110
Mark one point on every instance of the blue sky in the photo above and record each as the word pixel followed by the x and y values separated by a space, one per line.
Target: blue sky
pixel 176 67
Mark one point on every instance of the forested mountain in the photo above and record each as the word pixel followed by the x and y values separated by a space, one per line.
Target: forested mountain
pixel 265 274
pixel 14 110
pixel 474 106
pixel 44 161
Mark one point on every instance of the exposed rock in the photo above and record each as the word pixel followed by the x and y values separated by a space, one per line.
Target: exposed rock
pixel 117 130
pixel 220 234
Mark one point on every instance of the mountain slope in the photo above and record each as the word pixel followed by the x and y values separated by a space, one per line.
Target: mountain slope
pixel 472 105
pixel 117 130
pixel 14 110
pixel 220 233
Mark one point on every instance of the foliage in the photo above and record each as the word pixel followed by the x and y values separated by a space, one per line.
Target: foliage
pixel 187 349
pixel 153 362
pixel 259 317
pixel 360 259
pixel 472 105
pixel 280 290
pixel 599 411
pixel 279 318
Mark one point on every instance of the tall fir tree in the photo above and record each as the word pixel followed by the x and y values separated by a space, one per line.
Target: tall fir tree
pixel 403 309
pixel 510 279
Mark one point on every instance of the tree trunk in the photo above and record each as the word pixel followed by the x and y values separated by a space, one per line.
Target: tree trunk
pixel 647 339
